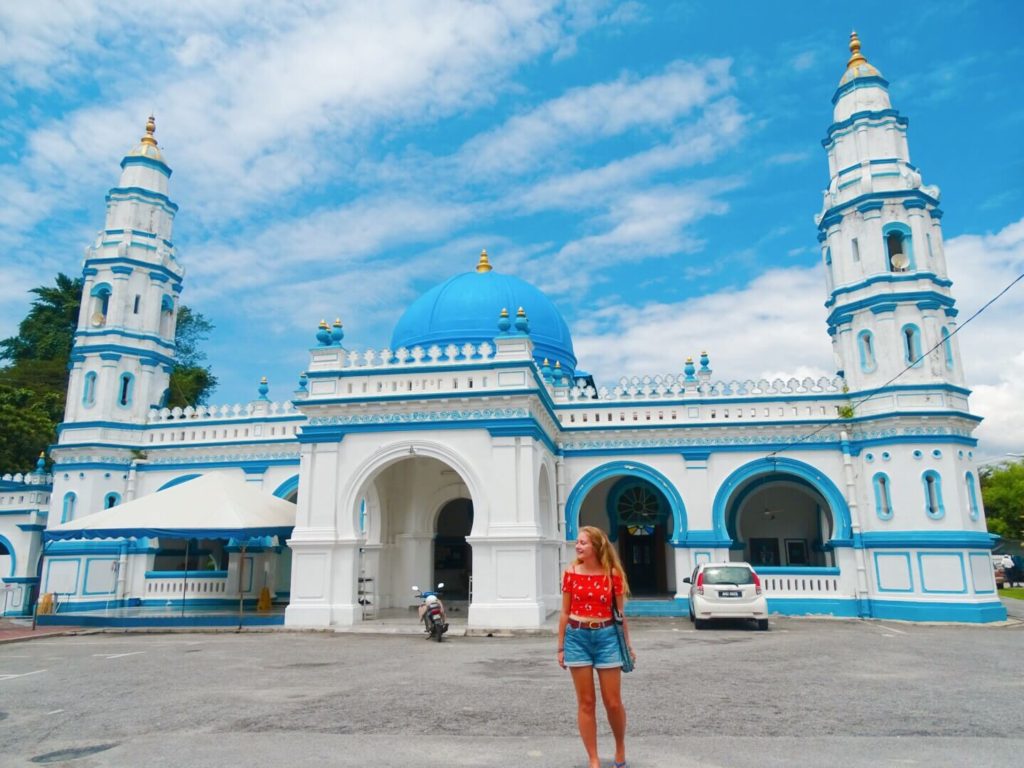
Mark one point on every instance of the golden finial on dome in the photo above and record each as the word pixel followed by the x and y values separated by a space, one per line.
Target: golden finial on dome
pixel 337 322
pixel 150 130
pixel 323 324
pixel 263 380
pixel 483 265
pixel 857 57
pixel 521 312
pixel 504 312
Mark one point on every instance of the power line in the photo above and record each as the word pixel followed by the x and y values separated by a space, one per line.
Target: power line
pixel 910 365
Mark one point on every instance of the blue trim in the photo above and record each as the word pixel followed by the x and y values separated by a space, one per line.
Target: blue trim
pixel 85 579
pixel 907 239
pixel 781 468
pixel 97 547
pixel 31 527
pixel 835 214
pixel 884 511
pixel 102 290
pixel 963 572
pixel 119 349
pixel 173 276
pixel 288 487
pixel 21 580
pixel 169 345
pixel 972 496
pixel 672 608
pixel 149 162
pixel 142 194
pixel 947 347
pixel 177 533
pixel 68 507
pixel 125 390
pixel 629 469
pixel 50 562
pixel 936 485
pixel 865 345
pixel 202 620
pixel 796 570
pixel 12 554
pixel 878 573
pixel 176 481
pixel 925 539
pixel 186 574
pixel 199 464
pixel 887 299
pixel 908 610
pixel 868 81
pixel 89 389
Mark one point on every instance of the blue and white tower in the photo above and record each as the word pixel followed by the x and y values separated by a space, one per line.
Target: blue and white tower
pixel 881 237
pixel 908 451
pixel 124 345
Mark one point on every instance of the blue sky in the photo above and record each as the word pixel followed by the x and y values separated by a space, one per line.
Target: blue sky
pixel 654 167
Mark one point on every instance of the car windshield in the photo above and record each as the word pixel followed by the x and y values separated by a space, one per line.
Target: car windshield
pixel 726 574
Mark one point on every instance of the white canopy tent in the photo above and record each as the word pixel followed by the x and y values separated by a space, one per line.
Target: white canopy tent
pixel 214 506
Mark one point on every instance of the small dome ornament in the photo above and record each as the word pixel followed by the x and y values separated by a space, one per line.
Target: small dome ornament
pixel 303 379
pixel 857 66
pixel 522 324
pixel 504 323
pixel 323 334
pixel 484 265
pixel 147 146
pixel 41 463
pixel 689 369
pixel 263 388
pixel 337 334
pixel 545 370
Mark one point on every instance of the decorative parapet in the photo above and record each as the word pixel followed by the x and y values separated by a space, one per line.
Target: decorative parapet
pixel 28 478
pixel 223 412
pixel 670 387
pixel 339 358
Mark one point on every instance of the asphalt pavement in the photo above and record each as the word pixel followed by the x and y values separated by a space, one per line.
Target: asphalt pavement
pixel 810 692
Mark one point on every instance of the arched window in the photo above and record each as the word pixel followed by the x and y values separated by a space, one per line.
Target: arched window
pixel 972 496
pixel 124 390
pixel 112 499
pixel 883 496
pixel 947 348
pixel 68 512
pixel 866 347
pixel 89 389
pixel 933 506
pixel 911 344
pixel 100 294
pixel 899 253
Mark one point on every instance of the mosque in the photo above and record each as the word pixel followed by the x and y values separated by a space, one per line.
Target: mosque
pixel 473 448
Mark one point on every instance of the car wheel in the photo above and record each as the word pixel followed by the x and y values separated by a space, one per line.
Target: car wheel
pixel 692 617
pixel 762 625
pixel 700 623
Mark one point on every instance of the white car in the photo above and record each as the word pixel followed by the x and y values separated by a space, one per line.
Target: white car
pixel 726 591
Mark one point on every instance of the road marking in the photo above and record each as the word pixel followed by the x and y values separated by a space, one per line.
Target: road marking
pixel 55 712
pixel 23 674
pixel 887 628
pixel 117 655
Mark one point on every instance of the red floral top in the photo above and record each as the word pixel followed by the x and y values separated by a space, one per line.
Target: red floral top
pixel 590 596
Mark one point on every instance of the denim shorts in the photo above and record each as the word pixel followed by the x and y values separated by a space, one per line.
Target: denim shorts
pixel 598 648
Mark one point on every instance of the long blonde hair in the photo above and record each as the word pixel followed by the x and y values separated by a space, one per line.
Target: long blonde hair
pixel 607 554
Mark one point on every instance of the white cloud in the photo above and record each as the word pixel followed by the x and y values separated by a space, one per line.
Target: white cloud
pixel 991 347
pixel 587 114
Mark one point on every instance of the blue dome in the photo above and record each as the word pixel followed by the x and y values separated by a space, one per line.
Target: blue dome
pixel 465 308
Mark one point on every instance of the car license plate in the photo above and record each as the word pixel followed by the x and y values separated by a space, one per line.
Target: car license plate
pixel 729 593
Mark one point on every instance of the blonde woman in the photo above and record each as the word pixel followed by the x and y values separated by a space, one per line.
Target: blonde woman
pixel 587 639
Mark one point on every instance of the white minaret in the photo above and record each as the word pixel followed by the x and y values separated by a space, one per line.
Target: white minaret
pixel 124 345
pixel 881 239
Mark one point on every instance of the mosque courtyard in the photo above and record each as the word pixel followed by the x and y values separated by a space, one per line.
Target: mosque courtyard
pixel 807 693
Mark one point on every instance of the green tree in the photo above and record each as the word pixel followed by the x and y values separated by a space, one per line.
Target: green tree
pixel 33 385
pixel 1002 489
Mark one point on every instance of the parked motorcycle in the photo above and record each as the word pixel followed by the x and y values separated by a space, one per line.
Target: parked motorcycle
pixel 432 612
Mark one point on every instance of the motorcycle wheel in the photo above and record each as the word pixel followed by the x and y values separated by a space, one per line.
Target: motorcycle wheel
pixel 438 631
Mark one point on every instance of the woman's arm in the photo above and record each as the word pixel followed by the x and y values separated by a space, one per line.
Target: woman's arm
pixel 563 621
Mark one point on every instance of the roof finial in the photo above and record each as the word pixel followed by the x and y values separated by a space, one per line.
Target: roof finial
pixel 150 130
pixel 856 58
pixel 483 265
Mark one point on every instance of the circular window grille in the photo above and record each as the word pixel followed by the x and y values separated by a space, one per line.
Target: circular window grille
pixel 639 509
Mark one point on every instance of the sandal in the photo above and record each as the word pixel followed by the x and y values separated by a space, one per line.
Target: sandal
pixel 619 765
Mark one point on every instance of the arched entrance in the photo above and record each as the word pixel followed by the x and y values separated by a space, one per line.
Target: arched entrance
pixel 453 556
pixel 413 511
pixel 642 513
pixel 781 512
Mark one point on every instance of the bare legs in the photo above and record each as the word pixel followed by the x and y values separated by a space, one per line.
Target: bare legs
pixel 586 716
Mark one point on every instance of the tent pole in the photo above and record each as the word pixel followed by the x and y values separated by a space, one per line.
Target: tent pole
pixel 184 583
pixel 241 593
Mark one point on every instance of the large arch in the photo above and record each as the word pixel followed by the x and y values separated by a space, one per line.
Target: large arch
pixel 177 481
pixel 287 488
pixel 620 469
pixel 781 468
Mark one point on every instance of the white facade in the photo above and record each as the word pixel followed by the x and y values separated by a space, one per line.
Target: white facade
pixel 474 459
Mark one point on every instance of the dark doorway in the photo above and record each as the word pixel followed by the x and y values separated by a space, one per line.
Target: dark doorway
pixel 642 517
pixel 453 556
